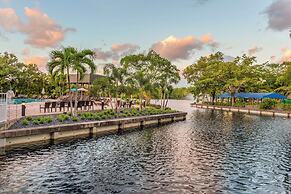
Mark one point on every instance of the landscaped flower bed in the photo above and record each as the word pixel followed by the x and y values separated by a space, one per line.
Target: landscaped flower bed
pixel 86 116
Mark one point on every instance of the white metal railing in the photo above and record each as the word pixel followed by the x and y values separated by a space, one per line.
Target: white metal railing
pixel 3 107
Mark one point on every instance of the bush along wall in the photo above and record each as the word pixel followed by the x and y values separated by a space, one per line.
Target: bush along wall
pixel 88 116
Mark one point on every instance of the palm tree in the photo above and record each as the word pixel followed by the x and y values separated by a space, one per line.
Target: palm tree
pixel 61 62
pixel 82 59
pixel 69 58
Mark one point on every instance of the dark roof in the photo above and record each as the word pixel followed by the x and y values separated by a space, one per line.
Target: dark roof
pixel 254 95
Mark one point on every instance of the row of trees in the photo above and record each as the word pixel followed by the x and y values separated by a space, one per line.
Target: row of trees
pixel 140 76
pixel 212 75
pixel 22 78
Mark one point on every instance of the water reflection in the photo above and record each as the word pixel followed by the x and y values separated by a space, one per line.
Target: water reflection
pixel 212 152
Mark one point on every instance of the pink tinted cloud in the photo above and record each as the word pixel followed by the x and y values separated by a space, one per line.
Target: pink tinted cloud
pixel 252 51
pixel 116 52
pixel 182 48
pixel 9 21
pixel 40 30
pixel 40 61
pixel 286 55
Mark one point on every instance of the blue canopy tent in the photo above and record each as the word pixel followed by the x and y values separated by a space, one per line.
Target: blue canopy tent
pixel 254 95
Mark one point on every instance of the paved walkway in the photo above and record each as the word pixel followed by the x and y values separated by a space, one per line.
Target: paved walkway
pixel 32 109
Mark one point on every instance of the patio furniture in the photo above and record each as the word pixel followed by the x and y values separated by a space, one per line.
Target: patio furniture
pixel 62 105
pixel 80 104
pixel 45 107
pixel 54 106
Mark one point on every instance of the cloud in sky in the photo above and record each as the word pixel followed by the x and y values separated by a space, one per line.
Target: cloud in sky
pixel 279 14
pixel 116 52
pixel 40 61
pixel 174 48
pixel 40 30
pixel 286 55
pixel 254 50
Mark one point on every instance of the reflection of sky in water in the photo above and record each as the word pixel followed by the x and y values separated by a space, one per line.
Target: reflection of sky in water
pixel 212 151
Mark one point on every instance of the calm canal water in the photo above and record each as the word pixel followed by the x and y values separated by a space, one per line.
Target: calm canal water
pixel 211 152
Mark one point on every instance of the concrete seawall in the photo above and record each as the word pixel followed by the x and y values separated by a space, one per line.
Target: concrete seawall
pixel 14 137
pixel 245 110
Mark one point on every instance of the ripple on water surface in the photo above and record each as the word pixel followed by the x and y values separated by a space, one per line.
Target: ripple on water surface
pixel 211 152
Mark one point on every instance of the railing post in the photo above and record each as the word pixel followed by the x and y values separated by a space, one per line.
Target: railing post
pixel 23 107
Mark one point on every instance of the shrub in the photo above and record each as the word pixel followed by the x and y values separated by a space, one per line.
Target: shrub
pixel 49 119
pixel 104 117
pixel 25 122
pixel 267 104
pixel 63 117
pixel 286 106
pixel 75 119
pixel 97 117
pixel 41 121
pixel 35 121
pixel 29 118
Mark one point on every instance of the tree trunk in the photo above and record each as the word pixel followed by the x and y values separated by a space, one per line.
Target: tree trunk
pixel 213 98
pixel 232 100
pixel 167 100
pixel 140 101
pixel 76 95
pixel 110 100
pixel 70 93
pixel 161 98
pixel 164 99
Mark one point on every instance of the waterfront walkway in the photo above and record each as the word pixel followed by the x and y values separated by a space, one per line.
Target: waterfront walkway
pixel 245 110
pixel 32 109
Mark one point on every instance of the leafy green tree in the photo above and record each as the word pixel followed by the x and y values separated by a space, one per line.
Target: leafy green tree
pixel 24 79
pixel 284 80
pixel 102 87
pixel 165 74
pixel 241 75
pixel 139 77
pixel 207 75
pixel 117 77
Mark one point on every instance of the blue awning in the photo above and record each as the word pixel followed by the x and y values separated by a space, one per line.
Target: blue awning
pixel 254 95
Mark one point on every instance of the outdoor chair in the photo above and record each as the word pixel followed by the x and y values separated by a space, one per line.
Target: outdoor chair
pixel 46 107
pixel 91 105
pixel 80 104
pixel 54 106
pixel 87 105
pixel 62 105
pixel 68 106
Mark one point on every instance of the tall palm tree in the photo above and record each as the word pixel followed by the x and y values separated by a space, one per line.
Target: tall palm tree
pixel 82 60
pixel 69 58
pixel 61 62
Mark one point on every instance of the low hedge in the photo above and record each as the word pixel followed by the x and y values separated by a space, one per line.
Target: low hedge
pixel 93 116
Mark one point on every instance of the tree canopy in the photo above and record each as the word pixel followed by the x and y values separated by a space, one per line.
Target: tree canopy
pixel 212 75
